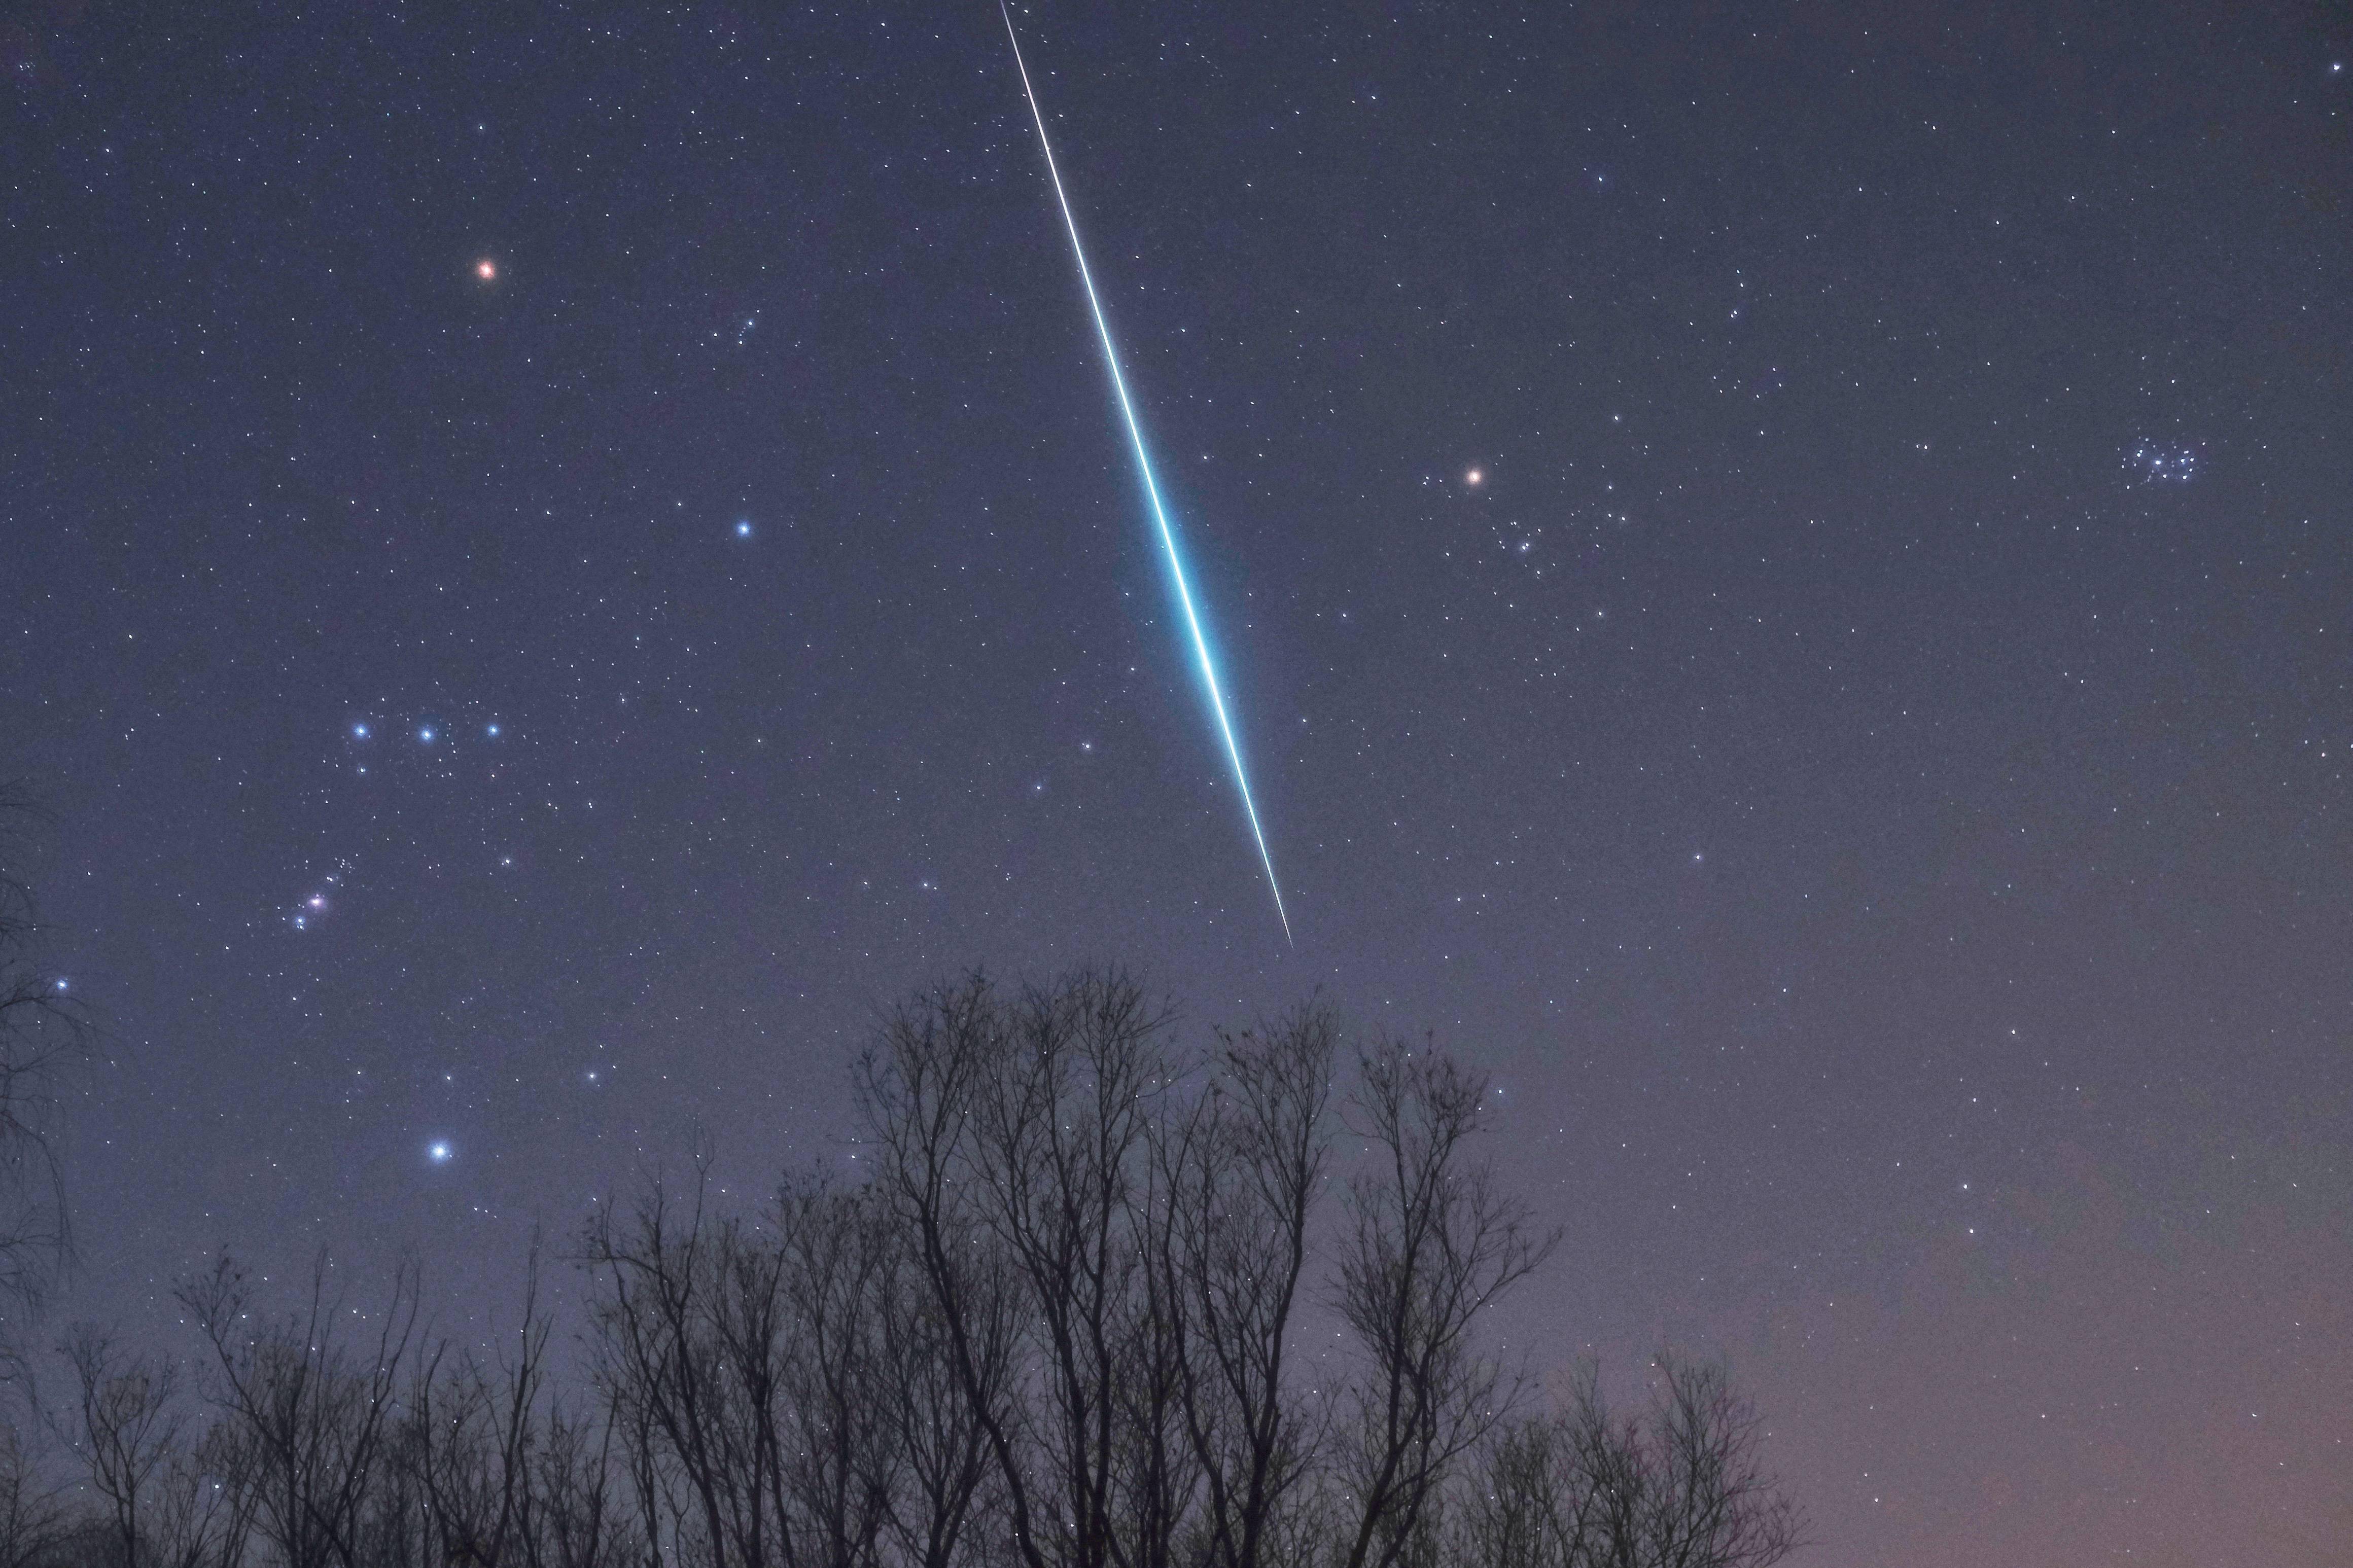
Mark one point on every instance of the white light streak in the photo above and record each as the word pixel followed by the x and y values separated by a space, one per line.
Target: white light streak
pixel 1151 488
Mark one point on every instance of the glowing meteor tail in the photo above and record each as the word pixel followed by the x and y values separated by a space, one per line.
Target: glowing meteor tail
pixel 1151 488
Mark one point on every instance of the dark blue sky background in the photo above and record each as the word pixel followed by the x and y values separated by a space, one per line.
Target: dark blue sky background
pixel 1864 767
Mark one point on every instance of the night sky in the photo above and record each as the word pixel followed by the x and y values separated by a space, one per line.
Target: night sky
pixel 555 559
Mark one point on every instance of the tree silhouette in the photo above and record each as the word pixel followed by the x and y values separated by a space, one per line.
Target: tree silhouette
pixel 41 1026
pixel 1061 1322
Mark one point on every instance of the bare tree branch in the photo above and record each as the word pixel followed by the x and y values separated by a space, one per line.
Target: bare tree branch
pixel 1433 1243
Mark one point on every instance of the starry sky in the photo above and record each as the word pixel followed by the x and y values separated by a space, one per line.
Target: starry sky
pixel 557 558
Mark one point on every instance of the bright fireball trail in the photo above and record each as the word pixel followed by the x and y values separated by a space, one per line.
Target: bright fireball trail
pixel 1151 488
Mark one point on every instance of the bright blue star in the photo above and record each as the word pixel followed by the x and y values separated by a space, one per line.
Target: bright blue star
pixel 440 1153
pixel 425 736
pixel 359 731
pixel 743 530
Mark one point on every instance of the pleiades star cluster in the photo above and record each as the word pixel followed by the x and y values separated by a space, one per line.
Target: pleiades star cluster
pixel 1780 574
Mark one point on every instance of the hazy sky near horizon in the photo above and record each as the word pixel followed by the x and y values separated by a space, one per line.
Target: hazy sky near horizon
pixel 1782 576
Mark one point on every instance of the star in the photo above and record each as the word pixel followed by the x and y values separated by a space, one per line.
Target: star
pixel 1474 477
pixel 440 1153
pixel 487 271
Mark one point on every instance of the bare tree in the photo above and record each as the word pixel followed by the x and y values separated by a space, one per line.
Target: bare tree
pixel 474 1430
pixel 1705 1498
pixel 1151 1417
pixel 1433 1242
pixel 1527 1504
pixel 945 1462
pixel 745 1368
pixel 1057 1330
pixel 33 1520
pixel 205 1500
pixel 41 1026
pixel 1060 1164
pixel 577 1517
pixel 699 1467
pixel 1242 1169
pixel 127 1426
pixel 1022 1126
pixel 916 1088
pixel 315 1414
pixel 1678 1486
pixel 840 1261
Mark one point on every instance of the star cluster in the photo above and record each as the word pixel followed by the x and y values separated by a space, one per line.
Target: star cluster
pixel 2158 463
pixel 1782 577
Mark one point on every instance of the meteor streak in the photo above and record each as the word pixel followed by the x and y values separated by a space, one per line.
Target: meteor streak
pixel 1151 489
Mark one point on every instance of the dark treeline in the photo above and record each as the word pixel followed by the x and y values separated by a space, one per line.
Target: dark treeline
pixel 40 1026
pixel 1061 1319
